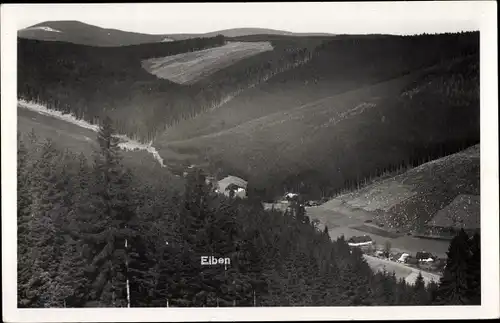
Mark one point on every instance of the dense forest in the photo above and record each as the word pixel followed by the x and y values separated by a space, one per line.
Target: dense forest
pixel 435 114
pixel 91 233
pixel 90 82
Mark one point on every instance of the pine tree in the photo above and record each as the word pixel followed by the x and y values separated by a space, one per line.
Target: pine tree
pixel 48 211
pixel 419 295
pixel 110 213
pixel 24 220
pixel 432 289
pixel 474 271
pixel 453 284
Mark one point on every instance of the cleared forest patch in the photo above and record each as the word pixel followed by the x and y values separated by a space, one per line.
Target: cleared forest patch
pixel 188 68
pixel 409 200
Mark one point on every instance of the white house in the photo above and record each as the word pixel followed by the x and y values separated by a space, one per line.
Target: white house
pixel 403 257
pixel 232 184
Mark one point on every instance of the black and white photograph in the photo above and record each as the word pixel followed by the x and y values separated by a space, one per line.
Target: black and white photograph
pixel 258 157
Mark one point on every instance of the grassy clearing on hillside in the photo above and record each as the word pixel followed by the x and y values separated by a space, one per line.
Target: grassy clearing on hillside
pixel 188 68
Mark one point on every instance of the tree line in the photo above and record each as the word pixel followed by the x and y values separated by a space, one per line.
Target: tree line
pixel 93 234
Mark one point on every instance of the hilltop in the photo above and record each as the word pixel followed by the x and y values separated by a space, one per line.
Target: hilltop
pixel 85 34
pixel 81 33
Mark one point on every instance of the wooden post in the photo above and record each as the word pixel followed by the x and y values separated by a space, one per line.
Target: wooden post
pixel 128 285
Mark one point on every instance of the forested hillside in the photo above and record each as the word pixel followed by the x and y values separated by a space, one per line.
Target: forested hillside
pixel 92 81
pixel 338 142
pixel 344 96
pixel 89 229
pixel 336 65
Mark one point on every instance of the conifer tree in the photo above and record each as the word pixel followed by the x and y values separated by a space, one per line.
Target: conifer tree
pixel 111 213
pixel 420 295
pixel 48 211
pixel 24 220
pixel 453 284
pixel 474 271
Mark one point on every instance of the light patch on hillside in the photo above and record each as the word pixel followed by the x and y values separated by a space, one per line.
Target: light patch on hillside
pixel 385 194
pixel 125 142
pixel 44 28
pixel 409 274
pixel 188 68
pixel 380 196
pixel 40 108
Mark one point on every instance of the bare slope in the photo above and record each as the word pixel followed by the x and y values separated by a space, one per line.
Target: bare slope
pixel 188 68
pixel 411 199
pixel 463 212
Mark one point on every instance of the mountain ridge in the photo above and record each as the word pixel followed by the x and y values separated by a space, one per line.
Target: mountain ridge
pixel 78 32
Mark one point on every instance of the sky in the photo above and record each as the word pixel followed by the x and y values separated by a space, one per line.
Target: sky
pixel 328 17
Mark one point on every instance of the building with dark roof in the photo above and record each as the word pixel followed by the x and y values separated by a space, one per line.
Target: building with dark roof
pixel 232 186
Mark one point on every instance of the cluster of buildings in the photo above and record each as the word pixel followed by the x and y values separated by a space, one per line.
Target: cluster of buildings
pixel 420 258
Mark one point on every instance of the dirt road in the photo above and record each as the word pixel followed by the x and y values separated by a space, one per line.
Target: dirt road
pixel 408 273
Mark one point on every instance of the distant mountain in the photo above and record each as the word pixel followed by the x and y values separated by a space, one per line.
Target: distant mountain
pixel 81 33
pixel 239 32
pixel 85 34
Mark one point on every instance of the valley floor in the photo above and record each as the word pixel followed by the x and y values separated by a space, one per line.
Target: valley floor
pixel 408 273
pixel 350 222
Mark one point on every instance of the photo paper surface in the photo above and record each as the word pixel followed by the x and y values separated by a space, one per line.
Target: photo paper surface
pixel 249 161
